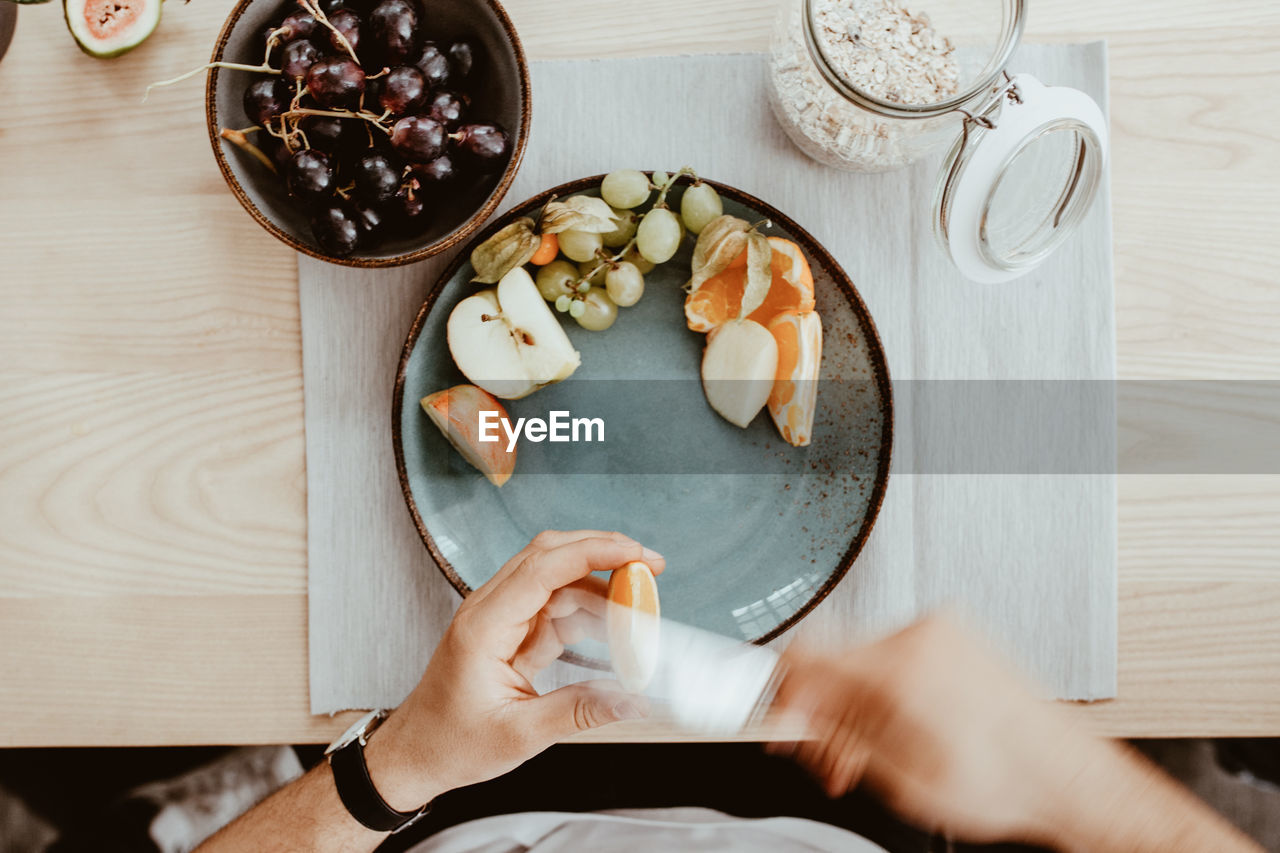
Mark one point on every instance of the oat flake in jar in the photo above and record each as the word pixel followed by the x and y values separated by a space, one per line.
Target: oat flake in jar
pixel 874 85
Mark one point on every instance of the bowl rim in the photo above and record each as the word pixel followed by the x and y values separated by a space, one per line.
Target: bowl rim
pixel 816 252
pixel 519 138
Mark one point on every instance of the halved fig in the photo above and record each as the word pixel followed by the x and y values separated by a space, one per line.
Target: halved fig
pixel 107 28
pixel 458 412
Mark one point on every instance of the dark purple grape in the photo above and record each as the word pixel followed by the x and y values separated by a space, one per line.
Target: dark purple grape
pixel 371 221
pixel 439 171
pixel 393 26
pixel 337 230
pixel 403 90
pixel 299 25
pixel 447 108
pixel 346 22
pixel 376 178
pixel 409 208
pixel 331 6
pixel 485 146
pixel 461 57
pixel 275 148
pixel 265 99
pixel 260 44
pixel 336 136
pixel 434 65
pixel 297 57
pixel 310 176
pixel 336 82
pixel 373 92
pixel 418 139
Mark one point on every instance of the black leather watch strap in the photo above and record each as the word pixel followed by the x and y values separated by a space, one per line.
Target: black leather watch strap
pixel 358 794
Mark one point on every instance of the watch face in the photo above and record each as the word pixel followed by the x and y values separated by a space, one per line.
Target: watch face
pixel 358 728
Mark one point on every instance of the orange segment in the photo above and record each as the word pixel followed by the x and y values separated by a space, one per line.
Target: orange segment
pixel 631 622
pixel 793 399
pixel 719 299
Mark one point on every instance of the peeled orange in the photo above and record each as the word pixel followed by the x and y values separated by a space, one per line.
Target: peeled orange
pixel 794 396
pixel 631 622
pixel 719 298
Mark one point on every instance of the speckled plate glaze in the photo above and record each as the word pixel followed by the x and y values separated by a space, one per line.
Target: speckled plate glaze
pixel 750 548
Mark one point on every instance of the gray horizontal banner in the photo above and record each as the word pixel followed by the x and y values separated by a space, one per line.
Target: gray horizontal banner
pixel 647 427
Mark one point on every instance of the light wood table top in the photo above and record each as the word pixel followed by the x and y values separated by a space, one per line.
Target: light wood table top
pixel 152 487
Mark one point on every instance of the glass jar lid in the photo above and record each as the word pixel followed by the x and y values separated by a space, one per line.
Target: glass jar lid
pixel 1019 179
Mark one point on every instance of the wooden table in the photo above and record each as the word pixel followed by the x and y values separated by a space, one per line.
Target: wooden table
pixel 152 488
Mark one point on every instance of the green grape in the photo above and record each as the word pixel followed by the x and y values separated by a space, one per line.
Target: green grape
pixel 577 309
pixel 563 302
pixel 595 264
pixel 556 279
pixel 660 179
pixel 625 189
pixel 700 205
pixel 642 263
pixel 579 245
pixel 584 287
pixel 624 284
pixel 598 311
pixel 621 236
pixel 658 236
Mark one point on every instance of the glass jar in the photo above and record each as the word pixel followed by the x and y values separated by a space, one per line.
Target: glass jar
pixel 865 85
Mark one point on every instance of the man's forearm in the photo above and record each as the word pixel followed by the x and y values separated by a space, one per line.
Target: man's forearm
pixel 306 814
pixel 1118 801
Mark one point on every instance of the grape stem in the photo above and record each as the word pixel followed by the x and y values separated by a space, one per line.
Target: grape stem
pixel 237 138
pixel 685 172
pixel 367 116
pixel 604 262
pixel 233 66
pixel 323 20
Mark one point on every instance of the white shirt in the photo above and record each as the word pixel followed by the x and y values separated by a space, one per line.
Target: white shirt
pixel 681 829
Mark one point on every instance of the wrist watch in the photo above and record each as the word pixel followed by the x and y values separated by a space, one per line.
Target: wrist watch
pixel 356 789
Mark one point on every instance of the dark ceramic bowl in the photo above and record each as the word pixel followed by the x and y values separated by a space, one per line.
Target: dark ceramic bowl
pixel 499 87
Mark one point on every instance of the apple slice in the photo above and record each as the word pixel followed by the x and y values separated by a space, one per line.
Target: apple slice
pixel 507 341
pixel 456 412
pixel 631 623
pixel 738 367
pixel 794 397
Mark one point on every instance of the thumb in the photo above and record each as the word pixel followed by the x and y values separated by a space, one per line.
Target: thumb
pixel 583 706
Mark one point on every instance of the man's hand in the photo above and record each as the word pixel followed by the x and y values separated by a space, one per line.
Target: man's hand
pixel 951 739
pixel 475 714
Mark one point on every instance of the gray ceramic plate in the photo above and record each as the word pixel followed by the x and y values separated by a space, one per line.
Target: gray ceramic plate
pixel 755 532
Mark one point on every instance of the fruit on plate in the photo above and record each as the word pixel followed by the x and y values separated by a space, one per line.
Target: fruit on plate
pixel 719 298
pixel 699 206
pixel 507 341
pixel 632 625
pixel 107 28
pixel 739 365
pixel 457 412
pixel 794 396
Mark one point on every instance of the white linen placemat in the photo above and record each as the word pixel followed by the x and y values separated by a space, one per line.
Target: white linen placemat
pixel 1030 558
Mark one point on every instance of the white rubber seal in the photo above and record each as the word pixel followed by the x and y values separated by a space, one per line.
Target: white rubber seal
pixel 1018 122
